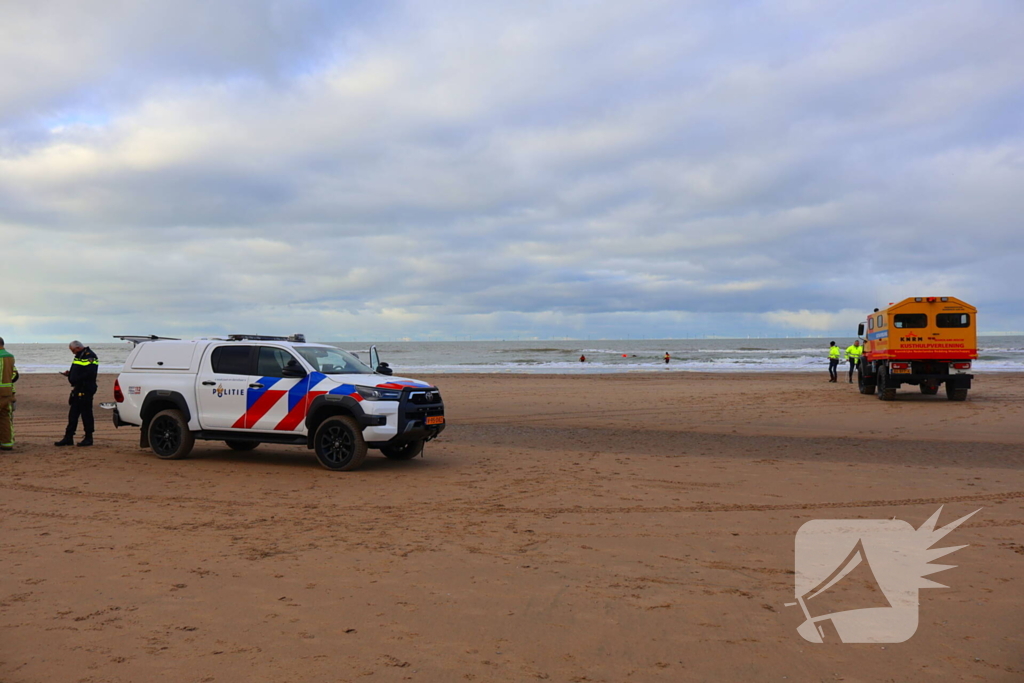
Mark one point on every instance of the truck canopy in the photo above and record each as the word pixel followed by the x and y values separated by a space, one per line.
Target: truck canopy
pixel 923 328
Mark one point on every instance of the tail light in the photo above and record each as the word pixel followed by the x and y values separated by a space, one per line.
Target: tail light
pixel 119 397
pixel 900 366
pixel 962 366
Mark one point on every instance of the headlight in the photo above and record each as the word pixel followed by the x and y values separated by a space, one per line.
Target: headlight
pixel 374 394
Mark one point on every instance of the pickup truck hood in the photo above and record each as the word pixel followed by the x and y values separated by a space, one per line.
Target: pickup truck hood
pixel 382 381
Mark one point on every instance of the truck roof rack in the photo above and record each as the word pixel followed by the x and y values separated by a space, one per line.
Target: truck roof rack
pixel 137 339
pixel 301 338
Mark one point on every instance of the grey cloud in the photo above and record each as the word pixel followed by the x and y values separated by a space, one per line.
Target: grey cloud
pixel 66 58
pixel 459 169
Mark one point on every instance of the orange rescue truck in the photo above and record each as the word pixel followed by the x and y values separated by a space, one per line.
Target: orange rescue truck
pixel 925 341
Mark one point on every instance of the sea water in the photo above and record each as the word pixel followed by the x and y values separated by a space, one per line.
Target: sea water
pixel 996 354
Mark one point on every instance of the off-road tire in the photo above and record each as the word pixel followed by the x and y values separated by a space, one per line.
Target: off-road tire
pixel 885 393
pixel 242 445
pixel 955 394
pixel 339 444
pixel 407 451
pixel 169 436
pixel 929 389
pixel 867 388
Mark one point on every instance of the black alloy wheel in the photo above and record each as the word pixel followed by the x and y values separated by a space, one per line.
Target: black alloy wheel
pixel 339 444
pixel 169 436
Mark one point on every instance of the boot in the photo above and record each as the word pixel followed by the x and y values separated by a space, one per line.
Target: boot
pixel 66 441
pixel 87 441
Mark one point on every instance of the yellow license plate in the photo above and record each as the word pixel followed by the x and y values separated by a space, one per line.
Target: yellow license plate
pixel 435 420
pixel 899 370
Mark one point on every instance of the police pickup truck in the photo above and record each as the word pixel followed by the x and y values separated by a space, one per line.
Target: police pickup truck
pixel 246 390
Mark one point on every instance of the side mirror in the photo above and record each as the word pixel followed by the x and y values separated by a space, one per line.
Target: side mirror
pixel 378 367
pixel 860 330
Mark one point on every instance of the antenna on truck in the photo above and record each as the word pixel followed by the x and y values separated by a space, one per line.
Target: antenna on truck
pixel 137 339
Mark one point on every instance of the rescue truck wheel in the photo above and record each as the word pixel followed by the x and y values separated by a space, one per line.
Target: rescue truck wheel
pixel 867 388
pixel 242 445
pixel 407 451
pixel 169 436
pixel 929 389
pixel 885 393
pixel 955 394
pixel 339 444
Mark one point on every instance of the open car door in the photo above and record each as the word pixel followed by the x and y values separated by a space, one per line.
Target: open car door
pixel 375 363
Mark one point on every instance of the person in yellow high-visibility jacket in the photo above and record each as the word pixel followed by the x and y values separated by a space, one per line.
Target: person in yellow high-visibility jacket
pixel 7 377
pixel 854 354
pixel 833 362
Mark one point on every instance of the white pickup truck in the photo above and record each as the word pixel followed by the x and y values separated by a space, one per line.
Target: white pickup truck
pixel 246 390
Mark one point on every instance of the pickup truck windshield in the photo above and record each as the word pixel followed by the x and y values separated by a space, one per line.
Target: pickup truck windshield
pixel 333 361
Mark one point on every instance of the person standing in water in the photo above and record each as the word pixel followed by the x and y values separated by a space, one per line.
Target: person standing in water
pixel 667 358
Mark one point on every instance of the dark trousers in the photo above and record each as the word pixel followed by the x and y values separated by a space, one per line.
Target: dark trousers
pixel 81 406
pixel 833 374
pixel 853 366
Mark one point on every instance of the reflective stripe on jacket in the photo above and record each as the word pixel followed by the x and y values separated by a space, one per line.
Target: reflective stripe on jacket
pixel 7 373
pixel 84 369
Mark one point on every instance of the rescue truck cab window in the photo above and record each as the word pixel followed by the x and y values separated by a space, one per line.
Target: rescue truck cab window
pixel 879 322
pixel 953 320
pixel 333 361
pixel 231 360
pixel 272 362
pixel 871 323
pixel 909 320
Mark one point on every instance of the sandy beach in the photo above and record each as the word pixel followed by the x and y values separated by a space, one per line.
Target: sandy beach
pixel 632 527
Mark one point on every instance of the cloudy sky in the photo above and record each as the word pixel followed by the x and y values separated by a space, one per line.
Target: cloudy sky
pixel 439 170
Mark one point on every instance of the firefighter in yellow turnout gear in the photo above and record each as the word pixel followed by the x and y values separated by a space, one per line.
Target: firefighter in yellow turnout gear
pixel 8 375
pixel 854 354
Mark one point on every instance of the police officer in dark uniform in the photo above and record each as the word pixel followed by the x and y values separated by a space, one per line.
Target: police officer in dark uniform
pixel 82 377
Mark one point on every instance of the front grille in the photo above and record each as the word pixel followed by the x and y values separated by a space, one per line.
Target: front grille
pixel 421 398
pixel 422 413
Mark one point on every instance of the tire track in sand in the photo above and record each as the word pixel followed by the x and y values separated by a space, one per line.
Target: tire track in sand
pixel 506 509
